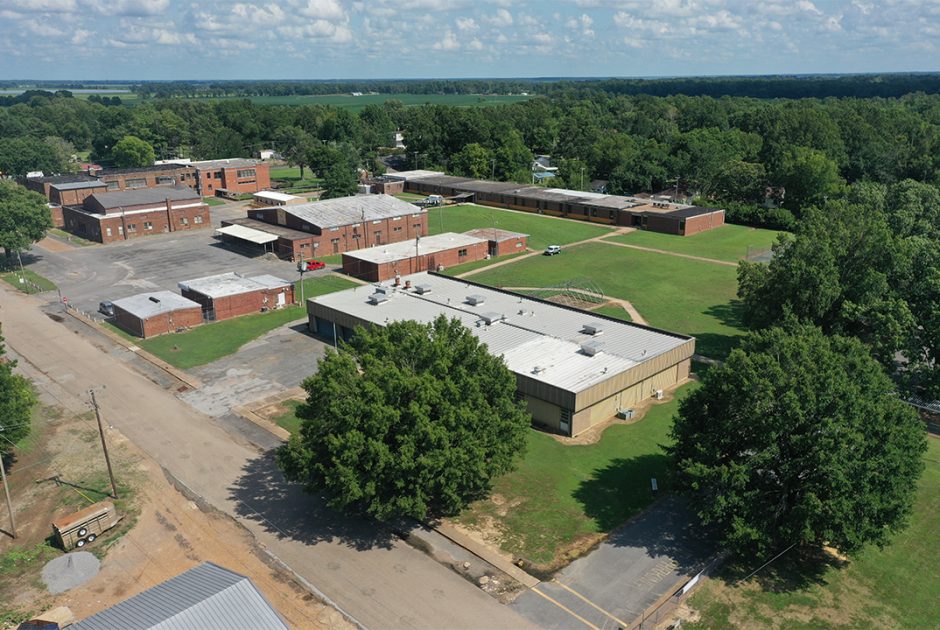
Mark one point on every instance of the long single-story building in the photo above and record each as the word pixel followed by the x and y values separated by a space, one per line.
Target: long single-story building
pixel 155 176
pixel 430 253
pixel 118 216
pixel 573 368
pixel 63 190
pixel 501 242
pixel 156 313
pixel 339 225
pixel 270 198
pixel 641 213
pixel 229 295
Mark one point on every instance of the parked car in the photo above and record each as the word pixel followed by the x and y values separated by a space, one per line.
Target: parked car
pixel 106 308
pixel 310 265
pixel 551 250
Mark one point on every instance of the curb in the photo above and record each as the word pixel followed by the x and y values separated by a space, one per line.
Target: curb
pixel 248 411
pixel 483 553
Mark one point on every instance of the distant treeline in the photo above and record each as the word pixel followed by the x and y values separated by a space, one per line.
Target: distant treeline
pixel 811 86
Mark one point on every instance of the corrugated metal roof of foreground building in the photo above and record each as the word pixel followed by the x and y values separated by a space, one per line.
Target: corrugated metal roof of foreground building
pixel 538 339
pixel 207 597
pixel 348 210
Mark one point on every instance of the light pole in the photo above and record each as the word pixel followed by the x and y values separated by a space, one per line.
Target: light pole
pixel 582 178
pixel 493 168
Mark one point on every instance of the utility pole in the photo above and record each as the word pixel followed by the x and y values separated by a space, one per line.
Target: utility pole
pixel 493 168
pixel 302 267
pixel 104 445
pixel 582 178
pixel 6 491
pixel 416 159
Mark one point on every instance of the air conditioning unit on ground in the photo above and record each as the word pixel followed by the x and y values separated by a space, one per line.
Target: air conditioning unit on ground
pixel 625 414
pixel 658 394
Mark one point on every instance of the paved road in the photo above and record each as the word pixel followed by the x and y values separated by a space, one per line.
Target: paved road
pixel 378 579
pixel 613 585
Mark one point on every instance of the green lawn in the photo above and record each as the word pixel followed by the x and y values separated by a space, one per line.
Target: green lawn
pixel 543 231
pixel 729 242
pixel 410 196
pixel 214 201
pixel 211 342
pixel 677 294
pixel 292 174
pixel 561 495
pixel 289 420
pixel 478 264
pixel 71 238
pixel 897 587
pixel 613 311
pixel 34 282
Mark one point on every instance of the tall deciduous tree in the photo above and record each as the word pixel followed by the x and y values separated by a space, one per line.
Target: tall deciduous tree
pixel 339 181
pixel 810 178
pixel 19 156
pixel 472 161
pixel 131 151
pixel 17 400
pixel 24 218
pixel 799 438
pixel 411 419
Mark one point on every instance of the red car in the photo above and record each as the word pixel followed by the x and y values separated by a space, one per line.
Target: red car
pixel 313 265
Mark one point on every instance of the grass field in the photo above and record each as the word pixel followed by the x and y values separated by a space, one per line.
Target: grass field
pixel 292 174
pixel 562 495
pixel 677 294
pixel 410 196
pixel 729 242
pixel 213 201
pixel 897 587
pixel 542 231
pixel 289 420
pixel 613 311
pixel 211 342
pixel 34 282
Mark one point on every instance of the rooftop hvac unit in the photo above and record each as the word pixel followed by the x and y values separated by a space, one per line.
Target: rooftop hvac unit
pixel 592 329
pixel 383 290
pixel 658 394
pixel 592 348
pixel 491 318
pixel 422 288
pixel 155 300
pixel 377 298
pixel 625 414
pixel 475 299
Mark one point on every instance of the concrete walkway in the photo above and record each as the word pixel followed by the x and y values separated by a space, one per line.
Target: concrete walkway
pixel 377 579
pixel 627 306
pixel 714 261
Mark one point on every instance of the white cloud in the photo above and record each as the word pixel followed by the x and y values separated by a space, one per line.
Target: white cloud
pixel 502 18
pixel 329 10
pixel 467 24
pixel 319 30
pixel 475 44
pixel 40 6
pixel 449 42
pixel 130 8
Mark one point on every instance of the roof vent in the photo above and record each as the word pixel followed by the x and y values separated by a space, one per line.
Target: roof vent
pixel 155 300
pixel 377 298
pixel 379 289
pixel 421 289
pixel 491 318
pixel 475 299
pixel 592 329
pixel 592 348
pixel 538 369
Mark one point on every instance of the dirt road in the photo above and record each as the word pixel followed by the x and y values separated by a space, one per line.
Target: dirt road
pixel 377 579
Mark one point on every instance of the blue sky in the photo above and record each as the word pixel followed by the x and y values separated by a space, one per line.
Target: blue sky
pixel 321 39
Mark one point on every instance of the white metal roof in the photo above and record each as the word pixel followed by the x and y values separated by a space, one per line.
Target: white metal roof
pixel 265 195
pixel 144 305
pixel 247 234
pixel 406 175
pixel 231 283
pixel 348 210
pixel 406 249
pixel 533 334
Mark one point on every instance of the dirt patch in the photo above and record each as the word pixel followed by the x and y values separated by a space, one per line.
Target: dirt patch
pixel 54 245
pixel 569 300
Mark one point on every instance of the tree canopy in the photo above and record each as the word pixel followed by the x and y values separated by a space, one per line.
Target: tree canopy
pixel 17 400
pixel 131 151
pixel 24 217
pixel 799 438
pixel 409 419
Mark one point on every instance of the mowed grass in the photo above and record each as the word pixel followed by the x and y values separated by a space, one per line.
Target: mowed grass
pixel 478 264
pixel 289 420
pixel 896 587
pixel 34 282
pixel 543 231
pixel 677 294
pixel 562 496
pixel 613 311
pixel 210 342
pixel 728 242
pixel 213 201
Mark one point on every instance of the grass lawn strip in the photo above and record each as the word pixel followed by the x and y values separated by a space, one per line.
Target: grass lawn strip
pixel 895 587
pixel 213 201
pixel 543 231
pixel 34 282
pixel 563 497
pixel 676 294
pixel 289 420
pixel 728 242
pixel 613 311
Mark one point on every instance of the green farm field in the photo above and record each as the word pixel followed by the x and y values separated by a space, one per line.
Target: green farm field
pixel 729 242
pixel 543 231
pixel 678 294
pixel 894 587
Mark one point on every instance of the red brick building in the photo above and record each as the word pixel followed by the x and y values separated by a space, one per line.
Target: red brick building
pixel 157 176
pixel 376 264
pixel 119 216
pixel 229 295
pixel 235 176
pixel 501 242
pixel 65 190
pixel 334 226
pixel 151 314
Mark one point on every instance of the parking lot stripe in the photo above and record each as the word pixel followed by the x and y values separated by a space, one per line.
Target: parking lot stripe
pixel 623 623
pixel 566 609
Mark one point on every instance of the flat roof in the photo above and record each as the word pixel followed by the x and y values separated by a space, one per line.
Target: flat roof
pixel 95 183
pixel 247 234
pixel 144 305
pixel 270 228
pixel 494 234
pixel 403 250
pixel 226 163
pixel 538 339
pixel 68 178
pixel 231 283
pixel 143 196
pixel 274 196
pixel 406 175
pixel 348 210
pixel 169 166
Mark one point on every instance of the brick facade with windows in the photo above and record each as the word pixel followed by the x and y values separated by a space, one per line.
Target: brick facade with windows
pixel 428 254
pixel 161 175
pixel 229 295
pixel 237 175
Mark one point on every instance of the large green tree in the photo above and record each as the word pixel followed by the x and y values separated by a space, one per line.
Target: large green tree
pixel 798 438
pixel 19 156
pixel 24 218
pixel 339 181
pixel 410 419
pixel 17 400
pixel 473 160
pixel 810 178
pixel 131 151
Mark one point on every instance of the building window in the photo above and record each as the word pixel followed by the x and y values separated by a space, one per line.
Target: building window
pixel 461 253
pixel 396 218
pixel 112 185
pixel 217 174
pixel 377 222
pixel 518 244
pixel 121 229
pixel 306 227
pixel 334 229
pixel 682 226
pixel 417 226
pixel 131 227
pixel 611 215
pixel 107 231
pixel 197 219
pixel 396 228
pixel 248 172
pixel 148 225
pixel 416 215
pixel 136 183
pixel 184 221
pixel 377 238
pixel 164 180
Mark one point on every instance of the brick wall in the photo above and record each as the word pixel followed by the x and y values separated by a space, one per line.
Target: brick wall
pixel 170 176
pixel 378 272
pixel 115 227
pixel 243 303
pixel 73 197
pixel 57 219
pixel 159 324
pixel 694 225
pixel 227 177
pixel 508 246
